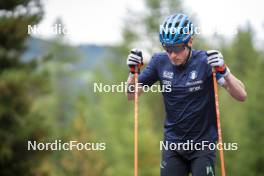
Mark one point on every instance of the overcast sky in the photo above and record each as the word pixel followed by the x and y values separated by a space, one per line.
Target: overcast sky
pixel 87 20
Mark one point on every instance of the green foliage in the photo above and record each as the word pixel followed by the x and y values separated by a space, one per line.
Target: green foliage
pixel 21 86
pixel 242 121
pixel 12 4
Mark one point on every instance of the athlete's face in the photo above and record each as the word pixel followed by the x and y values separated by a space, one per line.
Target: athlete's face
pixel 178 54
pixel 179 57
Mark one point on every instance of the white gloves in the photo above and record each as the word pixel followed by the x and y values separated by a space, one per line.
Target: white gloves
pixel 216 60
pixel 135 59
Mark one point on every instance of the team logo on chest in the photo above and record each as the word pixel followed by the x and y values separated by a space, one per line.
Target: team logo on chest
pixel 167 74
pixel 193 75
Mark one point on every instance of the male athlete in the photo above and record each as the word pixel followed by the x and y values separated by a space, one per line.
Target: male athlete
pixel 190 106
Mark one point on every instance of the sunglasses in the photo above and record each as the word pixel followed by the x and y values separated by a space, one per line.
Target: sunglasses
pixel 173 48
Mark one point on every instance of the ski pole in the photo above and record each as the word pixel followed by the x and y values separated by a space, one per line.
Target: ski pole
pixel 136 124
pixel 219 131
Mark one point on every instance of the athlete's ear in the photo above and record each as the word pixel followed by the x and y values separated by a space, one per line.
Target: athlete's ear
pixel 190 43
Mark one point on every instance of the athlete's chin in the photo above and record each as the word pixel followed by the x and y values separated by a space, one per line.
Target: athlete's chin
pixel 176 62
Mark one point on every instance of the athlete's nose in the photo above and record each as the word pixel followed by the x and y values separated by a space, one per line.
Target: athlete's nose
pixel 173 55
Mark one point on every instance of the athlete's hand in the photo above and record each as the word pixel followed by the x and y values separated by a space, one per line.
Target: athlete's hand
pixel 216 60
pixel 135 59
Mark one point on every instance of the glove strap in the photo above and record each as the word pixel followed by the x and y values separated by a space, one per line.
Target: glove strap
pixel 223 70
pixel 134 69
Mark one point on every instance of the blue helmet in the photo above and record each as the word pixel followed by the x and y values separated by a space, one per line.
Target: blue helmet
pixel 176 29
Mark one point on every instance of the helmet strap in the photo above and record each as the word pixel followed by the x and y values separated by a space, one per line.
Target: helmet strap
pixel 190 53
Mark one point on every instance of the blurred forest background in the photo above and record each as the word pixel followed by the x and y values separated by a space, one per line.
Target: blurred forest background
pixel 46 93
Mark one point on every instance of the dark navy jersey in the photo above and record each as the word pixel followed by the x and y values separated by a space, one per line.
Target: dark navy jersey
pixel 190 106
